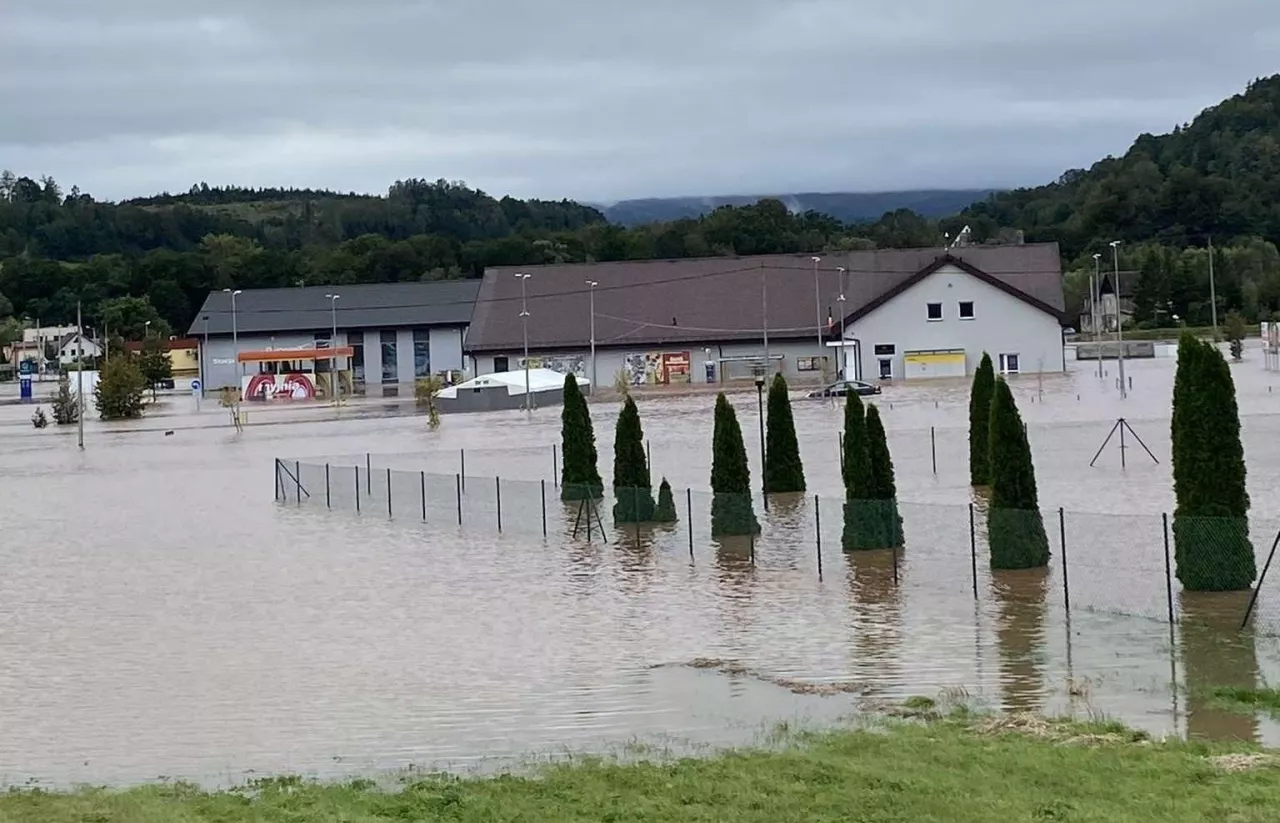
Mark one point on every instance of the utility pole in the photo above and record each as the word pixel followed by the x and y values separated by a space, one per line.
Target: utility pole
pixel 764 313
pixel 817 305
pixel 1213 296
pixel 591 284
pixel 1115 254
pixel 524 323
pixel 79 377
pixel 844 349
pixel 1095 294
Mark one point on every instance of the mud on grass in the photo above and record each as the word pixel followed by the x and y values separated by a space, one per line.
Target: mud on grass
pixel 974 769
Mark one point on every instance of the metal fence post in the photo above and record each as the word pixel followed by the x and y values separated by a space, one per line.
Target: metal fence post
pixel 894 549
pixel 388 492
pixel 542 486
pixel 1062 536
pixel 648 455
pixel 357 469
pixel 933 450
pixel 1168 572
pixel 368 473
pixel 423 476
pixel 462 468
pixel 328 499
pixel 817 529
pixel 497 490
pixel 457 483
pixel 277 468
pixel 688 498
pixel 297 478
pixel 635 508
pixel 973 552
pixel 555 466
pixel 752 538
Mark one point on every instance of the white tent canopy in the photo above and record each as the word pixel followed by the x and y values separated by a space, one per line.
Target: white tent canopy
pixel 513 382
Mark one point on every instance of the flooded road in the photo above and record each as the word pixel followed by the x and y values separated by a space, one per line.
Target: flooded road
pixel 161 615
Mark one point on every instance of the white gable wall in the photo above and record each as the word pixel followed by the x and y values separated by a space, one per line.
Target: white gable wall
pixel 1002 324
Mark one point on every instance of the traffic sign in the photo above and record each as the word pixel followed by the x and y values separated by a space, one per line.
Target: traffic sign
pixel 195 386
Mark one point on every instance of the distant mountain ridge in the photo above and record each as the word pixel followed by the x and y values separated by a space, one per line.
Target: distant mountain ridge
pixel 848 207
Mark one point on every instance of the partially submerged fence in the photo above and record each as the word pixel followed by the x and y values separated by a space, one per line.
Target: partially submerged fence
pixel 1120 564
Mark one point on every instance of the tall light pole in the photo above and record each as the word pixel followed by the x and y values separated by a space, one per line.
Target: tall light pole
pixel 844 350
pixel 764 312
pixel 1095 294
pixel 235 334
pixel 524 323
pixel 79 377
pixel 1213 297
pixel 764 481
pixel 817 305
pixel 333 344
pixel 591 285
pixel 1115 255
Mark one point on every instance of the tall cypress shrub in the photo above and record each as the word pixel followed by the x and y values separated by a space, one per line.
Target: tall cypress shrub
pixel 1015 527
pixel 632 489
pixel 1210 522
pixel 984 380
pixel 783 470
pixel 579 475
pixel 860 523
pixel 665 512
pixel 884 490
pixel 731 507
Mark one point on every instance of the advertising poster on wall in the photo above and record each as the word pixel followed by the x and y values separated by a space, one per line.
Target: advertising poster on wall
pixel 562 364
pixel 657 368
pixel 292 386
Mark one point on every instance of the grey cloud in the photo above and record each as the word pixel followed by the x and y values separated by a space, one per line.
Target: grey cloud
pixel 601 100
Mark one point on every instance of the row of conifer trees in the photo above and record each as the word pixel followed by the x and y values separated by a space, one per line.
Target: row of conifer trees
pixel 871 518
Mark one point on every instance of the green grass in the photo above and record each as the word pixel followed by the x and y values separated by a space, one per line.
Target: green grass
pixel 977 769
pixel 1248 700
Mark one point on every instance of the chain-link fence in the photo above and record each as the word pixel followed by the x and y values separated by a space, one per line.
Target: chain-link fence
pixel 1208 570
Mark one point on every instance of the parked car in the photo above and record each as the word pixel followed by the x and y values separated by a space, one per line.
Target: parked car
pixel 840 388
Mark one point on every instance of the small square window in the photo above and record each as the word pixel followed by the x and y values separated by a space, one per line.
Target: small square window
pixel 966 309
pixel 934 311
pixel 1008 364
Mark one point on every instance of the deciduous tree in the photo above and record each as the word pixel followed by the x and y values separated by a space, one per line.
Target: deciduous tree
pixel 118 395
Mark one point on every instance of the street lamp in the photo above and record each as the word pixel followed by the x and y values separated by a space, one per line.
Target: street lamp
pixel 146 330
pixel 844 350
pixel 1115 255
pixel 764 483
pixel 235 332
pixel 591 285
pixel 333 344
pixel 1095 294
pixel 817 305
pixel 524 323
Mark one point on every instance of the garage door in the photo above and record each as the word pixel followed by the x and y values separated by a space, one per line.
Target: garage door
pixel 934 363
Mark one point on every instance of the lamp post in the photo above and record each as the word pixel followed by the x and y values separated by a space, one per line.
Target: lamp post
pixel 1095 294
pixel 524 323
pixel 764 312
pixel 235 333
pixel 844 350
pixel 591 285
pixel 79 378
pixel 146 330
pixel 764 483
pixel 333 344
pixel 817 305
pixel 1115 255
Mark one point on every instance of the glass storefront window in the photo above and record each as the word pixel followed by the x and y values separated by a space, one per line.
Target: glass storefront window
pixel 390 369
pixel 421 353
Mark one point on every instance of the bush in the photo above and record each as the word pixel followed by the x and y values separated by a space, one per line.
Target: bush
pixel 984 380
pixel 118 395
pixel 425 392
pixel 632 488
pixel 1235 332
pixel 579 475
pixel 66 406
pixel 783 470
pixel 732 512
pixel 1015 527
pixel 666 508
pixel 1210 521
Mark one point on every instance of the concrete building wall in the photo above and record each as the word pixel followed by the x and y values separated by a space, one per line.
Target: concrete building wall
pixel 446 350
pixel 1001 324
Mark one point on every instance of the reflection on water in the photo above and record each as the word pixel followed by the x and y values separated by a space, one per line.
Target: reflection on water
pixel 1215 653
pixel 159 614
pixel 1020 634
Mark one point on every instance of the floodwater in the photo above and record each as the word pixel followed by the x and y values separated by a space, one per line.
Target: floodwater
pixel 161 615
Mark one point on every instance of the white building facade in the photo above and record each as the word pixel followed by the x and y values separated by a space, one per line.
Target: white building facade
pixel 940 325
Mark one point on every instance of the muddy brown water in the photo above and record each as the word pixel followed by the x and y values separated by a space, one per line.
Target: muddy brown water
pixel 161 615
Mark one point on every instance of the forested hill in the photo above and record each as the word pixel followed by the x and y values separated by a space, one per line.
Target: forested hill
pixel 1218 176
pixel 157 258
pixel 850 207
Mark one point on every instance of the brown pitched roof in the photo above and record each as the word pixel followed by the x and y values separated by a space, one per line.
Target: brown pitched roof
pixel 660 302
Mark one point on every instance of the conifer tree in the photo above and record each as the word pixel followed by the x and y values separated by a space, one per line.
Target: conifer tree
pixel 980 422
pixel 1210 523
pixel 1015 527
pixel 884 489
pixel 860 529
pixel 783 470
pixel 579 475
pixel 632 489
pixel 666 509
pixel 66 406
pixel 732 511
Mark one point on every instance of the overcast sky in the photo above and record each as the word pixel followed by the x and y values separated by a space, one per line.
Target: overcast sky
pixel 606 99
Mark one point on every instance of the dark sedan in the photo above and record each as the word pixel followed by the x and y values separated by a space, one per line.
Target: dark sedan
pixel 840 388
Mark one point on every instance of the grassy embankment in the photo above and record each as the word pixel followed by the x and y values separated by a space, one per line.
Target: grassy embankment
pixel 1248 701
pixel 963 769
